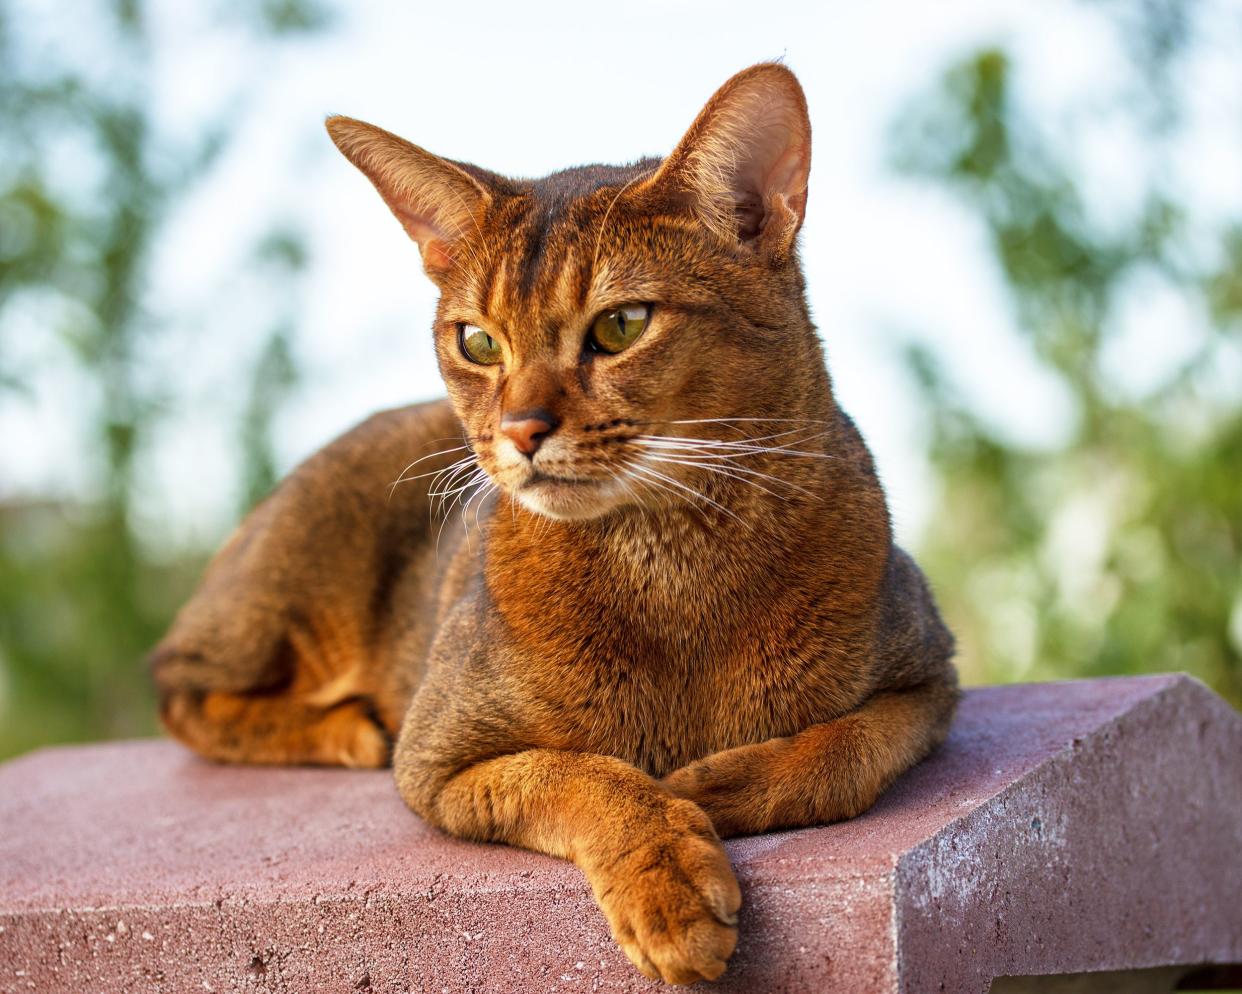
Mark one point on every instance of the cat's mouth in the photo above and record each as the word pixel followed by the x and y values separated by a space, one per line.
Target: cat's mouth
pixel 538 477
pixel 566 497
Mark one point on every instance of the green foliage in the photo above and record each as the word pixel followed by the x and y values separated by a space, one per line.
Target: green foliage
pixel 82 597
pixel 273 377
pixel 1116 550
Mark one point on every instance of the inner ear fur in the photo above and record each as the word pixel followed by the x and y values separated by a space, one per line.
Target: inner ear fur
pixel 743 166
pixel 435 200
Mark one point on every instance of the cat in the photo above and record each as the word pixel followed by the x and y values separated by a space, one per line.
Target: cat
pixel 664 607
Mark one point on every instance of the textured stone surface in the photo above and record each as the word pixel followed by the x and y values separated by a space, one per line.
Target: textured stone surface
pixel 1072 827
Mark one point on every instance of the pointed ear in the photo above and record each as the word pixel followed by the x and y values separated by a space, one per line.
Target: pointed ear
pixel 436 201
pixel 742 167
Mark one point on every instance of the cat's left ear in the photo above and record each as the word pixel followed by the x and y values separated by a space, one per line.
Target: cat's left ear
pixel 437 202
pixel 742 168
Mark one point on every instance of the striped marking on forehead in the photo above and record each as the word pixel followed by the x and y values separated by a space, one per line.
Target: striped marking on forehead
pixel 545 246
pixel 540 274
pixel 535 247
pixel 549 233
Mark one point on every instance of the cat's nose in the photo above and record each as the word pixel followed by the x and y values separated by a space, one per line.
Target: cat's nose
pixel 528 429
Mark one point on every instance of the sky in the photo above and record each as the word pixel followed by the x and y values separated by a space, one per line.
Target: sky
pixel 530 88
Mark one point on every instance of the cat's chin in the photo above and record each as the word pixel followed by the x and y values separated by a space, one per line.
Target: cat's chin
pixel 571 500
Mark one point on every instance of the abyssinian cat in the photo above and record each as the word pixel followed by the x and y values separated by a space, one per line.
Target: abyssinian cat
pixel 666 607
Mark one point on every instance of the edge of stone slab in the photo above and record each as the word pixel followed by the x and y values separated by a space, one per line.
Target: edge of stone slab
pixel 1180 686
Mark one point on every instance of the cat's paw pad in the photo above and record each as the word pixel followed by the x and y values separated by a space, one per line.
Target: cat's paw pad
pixel 672 900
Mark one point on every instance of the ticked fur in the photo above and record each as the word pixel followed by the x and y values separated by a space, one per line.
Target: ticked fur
pixel 681 617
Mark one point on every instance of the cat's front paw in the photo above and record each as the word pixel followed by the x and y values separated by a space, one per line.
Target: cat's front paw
pixel 671 899
pixel 729 787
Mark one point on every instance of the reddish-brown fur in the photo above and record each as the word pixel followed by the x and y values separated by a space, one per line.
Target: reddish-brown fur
pixel 592 661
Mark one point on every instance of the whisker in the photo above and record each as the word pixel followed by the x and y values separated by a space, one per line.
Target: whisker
pixel 604 223
pixel 491 487
pixel 792 436
pixel 646 484
pixel 744 440
pixel 402 478
pixel 739 473
pixel 466 477
pixel 704 421
pixel 736 424
pixel 459 487
pixel 481 490
pixel 451 474
pixel 656 485
pixel 633 473
pixel 629 489
pixel 432 472
pixel 442 488
pixel 448 478
pixel 478 476
pixel 644 468
pixel 712 450
pixel 440 452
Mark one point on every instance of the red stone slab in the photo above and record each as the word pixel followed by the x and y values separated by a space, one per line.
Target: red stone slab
pixel 1092 825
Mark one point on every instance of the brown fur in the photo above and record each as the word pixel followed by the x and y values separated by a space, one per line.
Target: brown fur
pixel 617 673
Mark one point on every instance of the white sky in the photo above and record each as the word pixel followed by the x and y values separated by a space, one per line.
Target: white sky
pixel 528 88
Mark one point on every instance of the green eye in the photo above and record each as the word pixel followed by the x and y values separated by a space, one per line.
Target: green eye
pixel 618 329
pixel 478 346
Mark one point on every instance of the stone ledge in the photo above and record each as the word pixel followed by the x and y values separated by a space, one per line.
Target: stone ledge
pixel 1069 827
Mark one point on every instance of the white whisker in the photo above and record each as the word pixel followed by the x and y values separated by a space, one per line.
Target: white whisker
pixel 634 474
pixel 714 448
pixel 745 440
pixel 478 476
pixel 704 421
pixel 488 490
pixel 629 489
pixel 631 475
pixel 739 473
pixel 647 469
pixel 709 453
pixel 402 478
pixel 461 485
pixel 452 476
pixel 481 490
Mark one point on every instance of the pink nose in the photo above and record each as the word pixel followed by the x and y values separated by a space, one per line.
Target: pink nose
pixel 528 429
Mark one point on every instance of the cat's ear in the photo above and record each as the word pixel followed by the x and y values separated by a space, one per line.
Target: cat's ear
pixel 742 167
pixel 435 200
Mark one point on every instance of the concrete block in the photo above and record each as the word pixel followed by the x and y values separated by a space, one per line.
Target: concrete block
pixel 1066 828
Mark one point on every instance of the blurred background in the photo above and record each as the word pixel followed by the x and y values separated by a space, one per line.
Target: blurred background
pixel 1023 246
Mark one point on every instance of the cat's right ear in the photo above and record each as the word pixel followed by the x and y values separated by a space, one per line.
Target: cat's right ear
pixel 436 201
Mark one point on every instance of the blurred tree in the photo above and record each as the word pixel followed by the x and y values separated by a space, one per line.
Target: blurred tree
pixel 1115 550
pixel 280 256
pixel 1119 549
pixel 82 597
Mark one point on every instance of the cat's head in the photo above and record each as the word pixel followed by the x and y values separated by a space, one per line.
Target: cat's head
pixel 591 321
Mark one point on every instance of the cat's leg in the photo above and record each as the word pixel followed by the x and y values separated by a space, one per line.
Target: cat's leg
pixel 829 772
pixel 275 729
pixel 282 655
pixel 240 681
pixel 653 862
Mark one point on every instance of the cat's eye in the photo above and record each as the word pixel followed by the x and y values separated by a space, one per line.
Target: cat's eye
pixel 619 328
pixel 478 346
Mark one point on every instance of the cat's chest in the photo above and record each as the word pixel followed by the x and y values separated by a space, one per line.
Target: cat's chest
pixel 662 711
pixel 663 666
